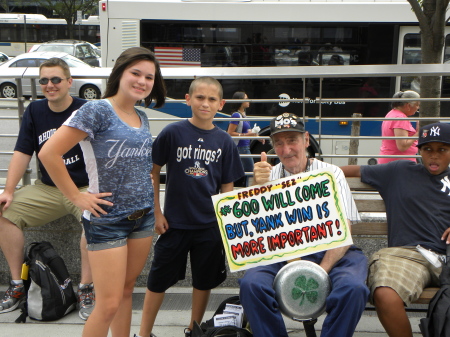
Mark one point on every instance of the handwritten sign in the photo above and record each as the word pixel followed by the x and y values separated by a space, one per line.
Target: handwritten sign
pixel 284 219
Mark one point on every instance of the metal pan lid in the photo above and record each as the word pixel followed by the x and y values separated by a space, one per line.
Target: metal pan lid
pixel 301 289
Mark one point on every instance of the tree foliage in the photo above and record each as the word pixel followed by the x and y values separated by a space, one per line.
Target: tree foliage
pixel 8 5
pixel 4 5
pixel 431 15
pixel 67 9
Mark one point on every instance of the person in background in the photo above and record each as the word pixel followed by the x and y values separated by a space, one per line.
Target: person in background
pixel 417 199
pixel 242 129
pixel 118 207
pixel 400 128
pixel 201 161
pixel 38 204
pixel 346 266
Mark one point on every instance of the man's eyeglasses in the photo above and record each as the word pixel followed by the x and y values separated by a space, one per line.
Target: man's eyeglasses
pixel 54 80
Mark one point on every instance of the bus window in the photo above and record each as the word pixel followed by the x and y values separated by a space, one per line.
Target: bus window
pixel 7 33
pixel 412 54
pixel 447 49
pixel 40 29
pixel 445 92
pixel 271 44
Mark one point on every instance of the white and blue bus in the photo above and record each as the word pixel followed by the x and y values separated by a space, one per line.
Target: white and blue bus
pixel 19 32
pixel 260 33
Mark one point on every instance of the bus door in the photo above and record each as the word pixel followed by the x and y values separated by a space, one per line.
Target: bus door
pixel 410 52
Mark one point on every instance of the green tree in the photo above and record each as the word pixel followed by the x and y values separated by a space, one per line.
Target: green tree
pixel 67 9
pixel 431 15
pixel 8 5
pixel 4 5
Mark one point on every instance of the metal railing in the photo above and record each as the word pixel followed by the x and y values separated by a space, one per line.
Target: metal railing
pixel 304 73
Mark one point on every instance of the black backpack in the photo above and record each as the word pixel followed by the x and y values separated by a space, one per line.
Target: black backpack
pixel 437 322
pixel 207 329
pixel 49 289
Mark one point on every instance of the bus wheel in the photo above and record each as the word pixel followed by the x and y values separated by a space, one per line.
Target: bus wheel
pixel 89 91
pixel 8 90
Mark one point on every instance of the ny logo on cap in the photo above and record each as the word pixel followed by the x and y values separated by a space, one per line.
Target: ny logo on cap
pixel 435 130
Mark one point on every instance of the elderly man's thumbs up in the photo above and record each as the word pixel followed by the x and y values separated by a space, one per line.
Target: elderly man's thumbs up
pixel 263 156
pixel 262 169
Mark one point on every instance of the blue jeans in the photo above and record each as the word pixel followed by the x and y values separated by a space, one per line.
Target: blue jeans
pixel 344 305
pixel 115 235
pixel 247 164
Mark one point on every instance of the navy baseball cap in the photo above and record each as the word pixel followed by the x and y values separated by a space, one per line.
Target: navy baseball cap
pixel 436 132
pixel 286 122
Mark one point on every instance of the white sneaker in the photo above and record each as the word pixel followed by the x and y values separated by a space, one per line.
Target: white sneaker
pixel 86 300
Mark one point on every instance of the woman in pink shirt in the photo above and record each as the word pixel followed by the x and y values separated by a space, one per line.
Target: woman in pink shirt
pixel 400 128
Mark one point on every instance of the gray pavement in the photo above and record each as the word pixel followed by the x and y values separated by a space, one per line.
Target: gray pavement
pixel 171 319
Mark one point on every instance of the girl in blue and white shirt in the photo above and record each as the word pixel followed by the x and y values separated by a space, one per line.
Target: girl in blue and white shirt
pixel 118 207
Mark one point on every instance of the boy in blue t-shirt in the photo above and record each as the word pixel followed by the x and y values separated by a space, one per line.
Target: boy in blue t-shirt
pixel 201 160
pixel 417 200
pixel 38 204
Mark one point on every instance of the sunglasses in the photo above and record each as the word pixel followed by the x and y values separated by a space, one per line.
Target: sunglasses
pixel 54 80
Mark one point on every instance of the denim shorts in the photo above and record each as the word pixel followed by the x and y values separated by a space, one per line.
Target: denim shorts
pixel 105 236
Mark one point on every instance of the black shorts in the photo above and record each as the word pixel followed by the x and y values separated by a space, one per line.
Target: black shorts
pixel 207 258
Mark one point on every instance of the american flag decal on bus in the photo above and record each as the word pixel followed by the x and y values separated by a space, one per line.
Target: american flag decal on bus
pixel 178 56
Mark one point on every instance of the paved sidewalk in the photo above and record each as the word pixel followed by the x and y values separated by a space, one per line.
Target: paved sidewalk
pixel 170 321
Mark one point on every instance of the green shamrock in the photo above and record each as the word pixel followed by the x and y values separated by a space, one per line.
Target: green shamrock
pixel 305 289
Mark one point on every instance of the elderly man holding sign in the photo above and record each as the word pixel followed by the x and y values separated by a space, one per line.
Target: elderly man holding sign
pixel 346 266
